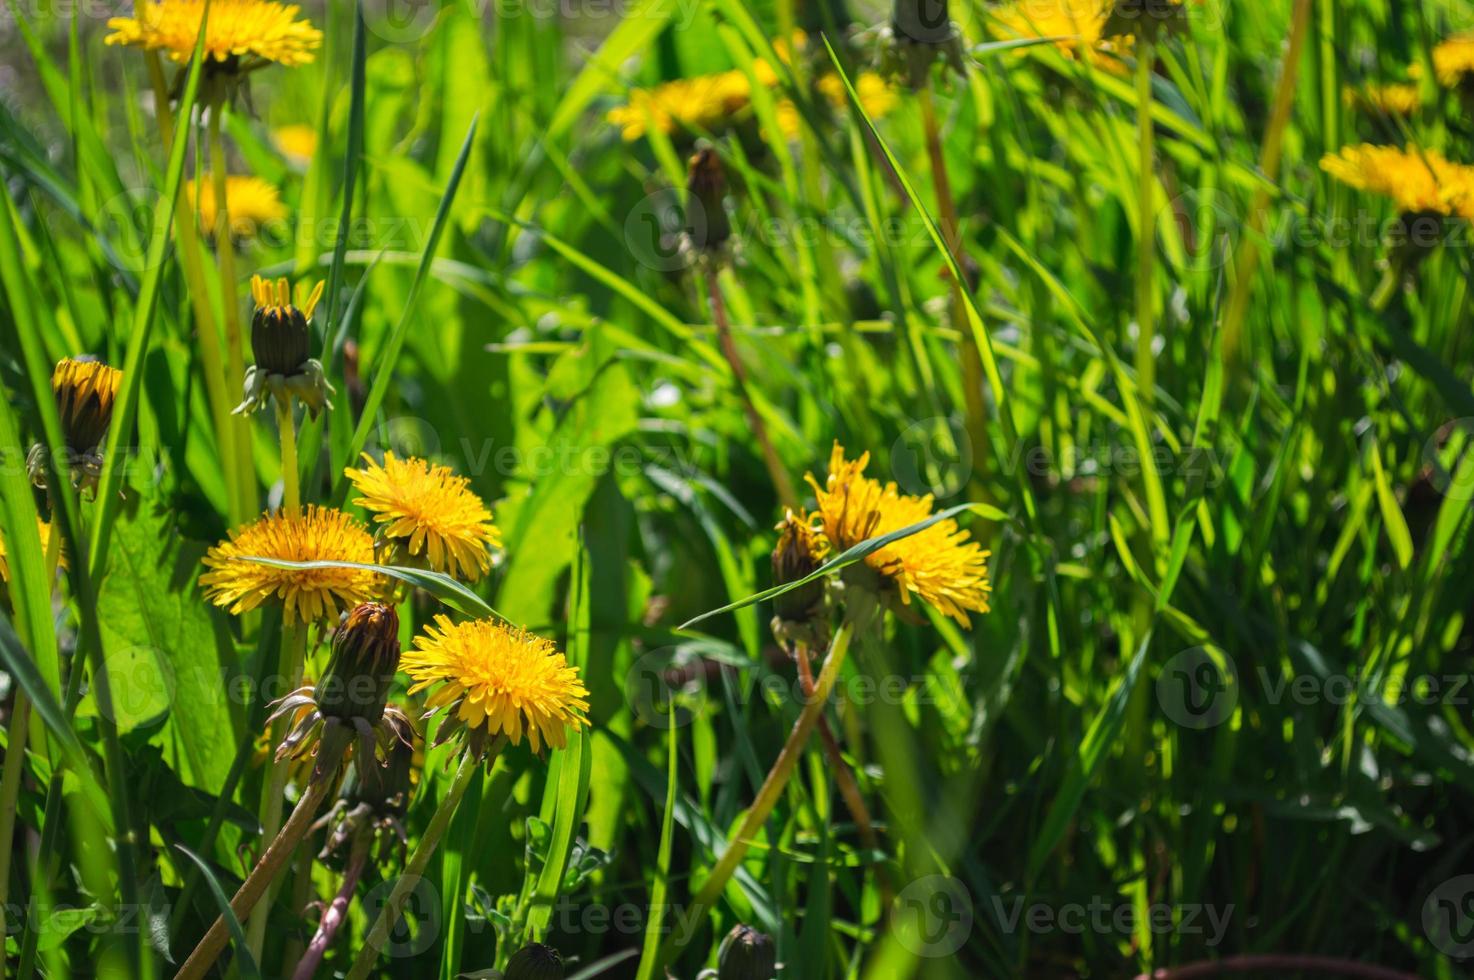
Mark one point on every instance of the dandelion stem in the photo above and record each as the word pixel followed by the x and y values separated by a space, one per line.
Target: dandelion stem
pixel 234 345
pixel 1146 367
pixel 336 912
pixel 368 954
pixel 776 471
pixel 972 373
pixel 843 777
pixel 289 668
pixel 211 357
pixel 15 755
pixel 276 857
pixel 291 492
pixel 772 787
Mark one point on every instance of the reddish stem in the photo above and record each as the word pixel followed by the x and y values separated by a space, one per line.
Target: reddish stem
pixel 336 912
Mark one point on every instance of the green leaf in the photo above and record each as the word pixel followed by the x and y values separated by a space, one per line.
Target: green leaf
pixel 438 584
pixel 245 964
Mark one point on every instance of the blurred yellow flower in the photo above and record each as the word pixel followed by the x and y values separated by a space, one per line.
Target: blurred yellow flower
pixel 307 594
pixel 877 96
pixel 1393 98
pixel 941 565
pixel 251 202
pixel 701 103
pixel 495 680
pixel 425 509
pixel 1074 24
pixel 1453 59
pixel 1420 181
pixel 296 142
pixel 246 33
pixel 44 530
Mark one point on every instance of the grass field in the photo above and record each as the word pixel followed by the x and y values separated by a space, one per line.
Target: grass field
pixel 1139 646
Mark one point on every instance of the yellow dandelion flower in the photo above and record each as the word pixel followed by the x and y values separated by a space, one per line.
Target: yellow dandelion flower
pixel 251 201
pixel 425 509
pixel 496 679
pixel 877 96
pixel 1394 99
pixel 1075 24
pixel 706 102
pixel 1453 59
pixel 1420 181
pixel 307 594
pixel 941 565
pixel 85 392
pixel 297 143
pixel 249 33
pixel 44 530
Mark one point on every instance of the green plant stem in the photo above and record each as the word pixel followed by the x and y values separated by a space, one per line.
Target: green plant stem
pixel 776 471
pixel 1146 365
pixel 230 304
pixel 273 789
pixel 1247 262
pixel 378 934
pixel 15 755
pixel 772 788
pixel 208 332
pixel 290 475
pixel 843 777
pixel 277 856
pixel 951 228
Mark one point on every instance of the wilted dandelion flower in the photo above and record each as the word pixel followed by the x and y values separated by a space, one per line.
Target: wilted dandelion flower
pixel 798 554
pixel 1419 181
pixel 307 594
pixel 351 699
pixel 941 565
pixel 242 34
pixel 251 202
pixel 45 531
pixel 425 511
pixel 1074 24
pixel 297 143
pixel 493 680
pixel 703 103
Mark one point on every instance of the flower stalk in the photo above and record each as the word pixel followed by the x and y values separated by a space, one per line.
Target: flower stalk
pixel 277 856
pixel 336 912
pixel 378 934
pixel 773 785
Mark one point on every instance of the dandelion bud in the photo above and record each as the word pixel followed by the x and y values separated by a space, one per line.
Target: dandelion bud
pixel 747 954
pixel 280 337
pixel 535 962
pixel 795 557
pixel 281 341
pixel 385 789
pixel 365 657
pixel 707 226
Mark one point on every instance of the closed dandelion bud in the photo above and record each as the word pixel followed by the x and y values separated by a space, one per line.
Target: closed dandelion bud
pixel 707 226
pixel 281 342
pixel 361 669
pixel 747 954
pixel 384 788
pixel 535 962
pixel 795 557
pixel 280 337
